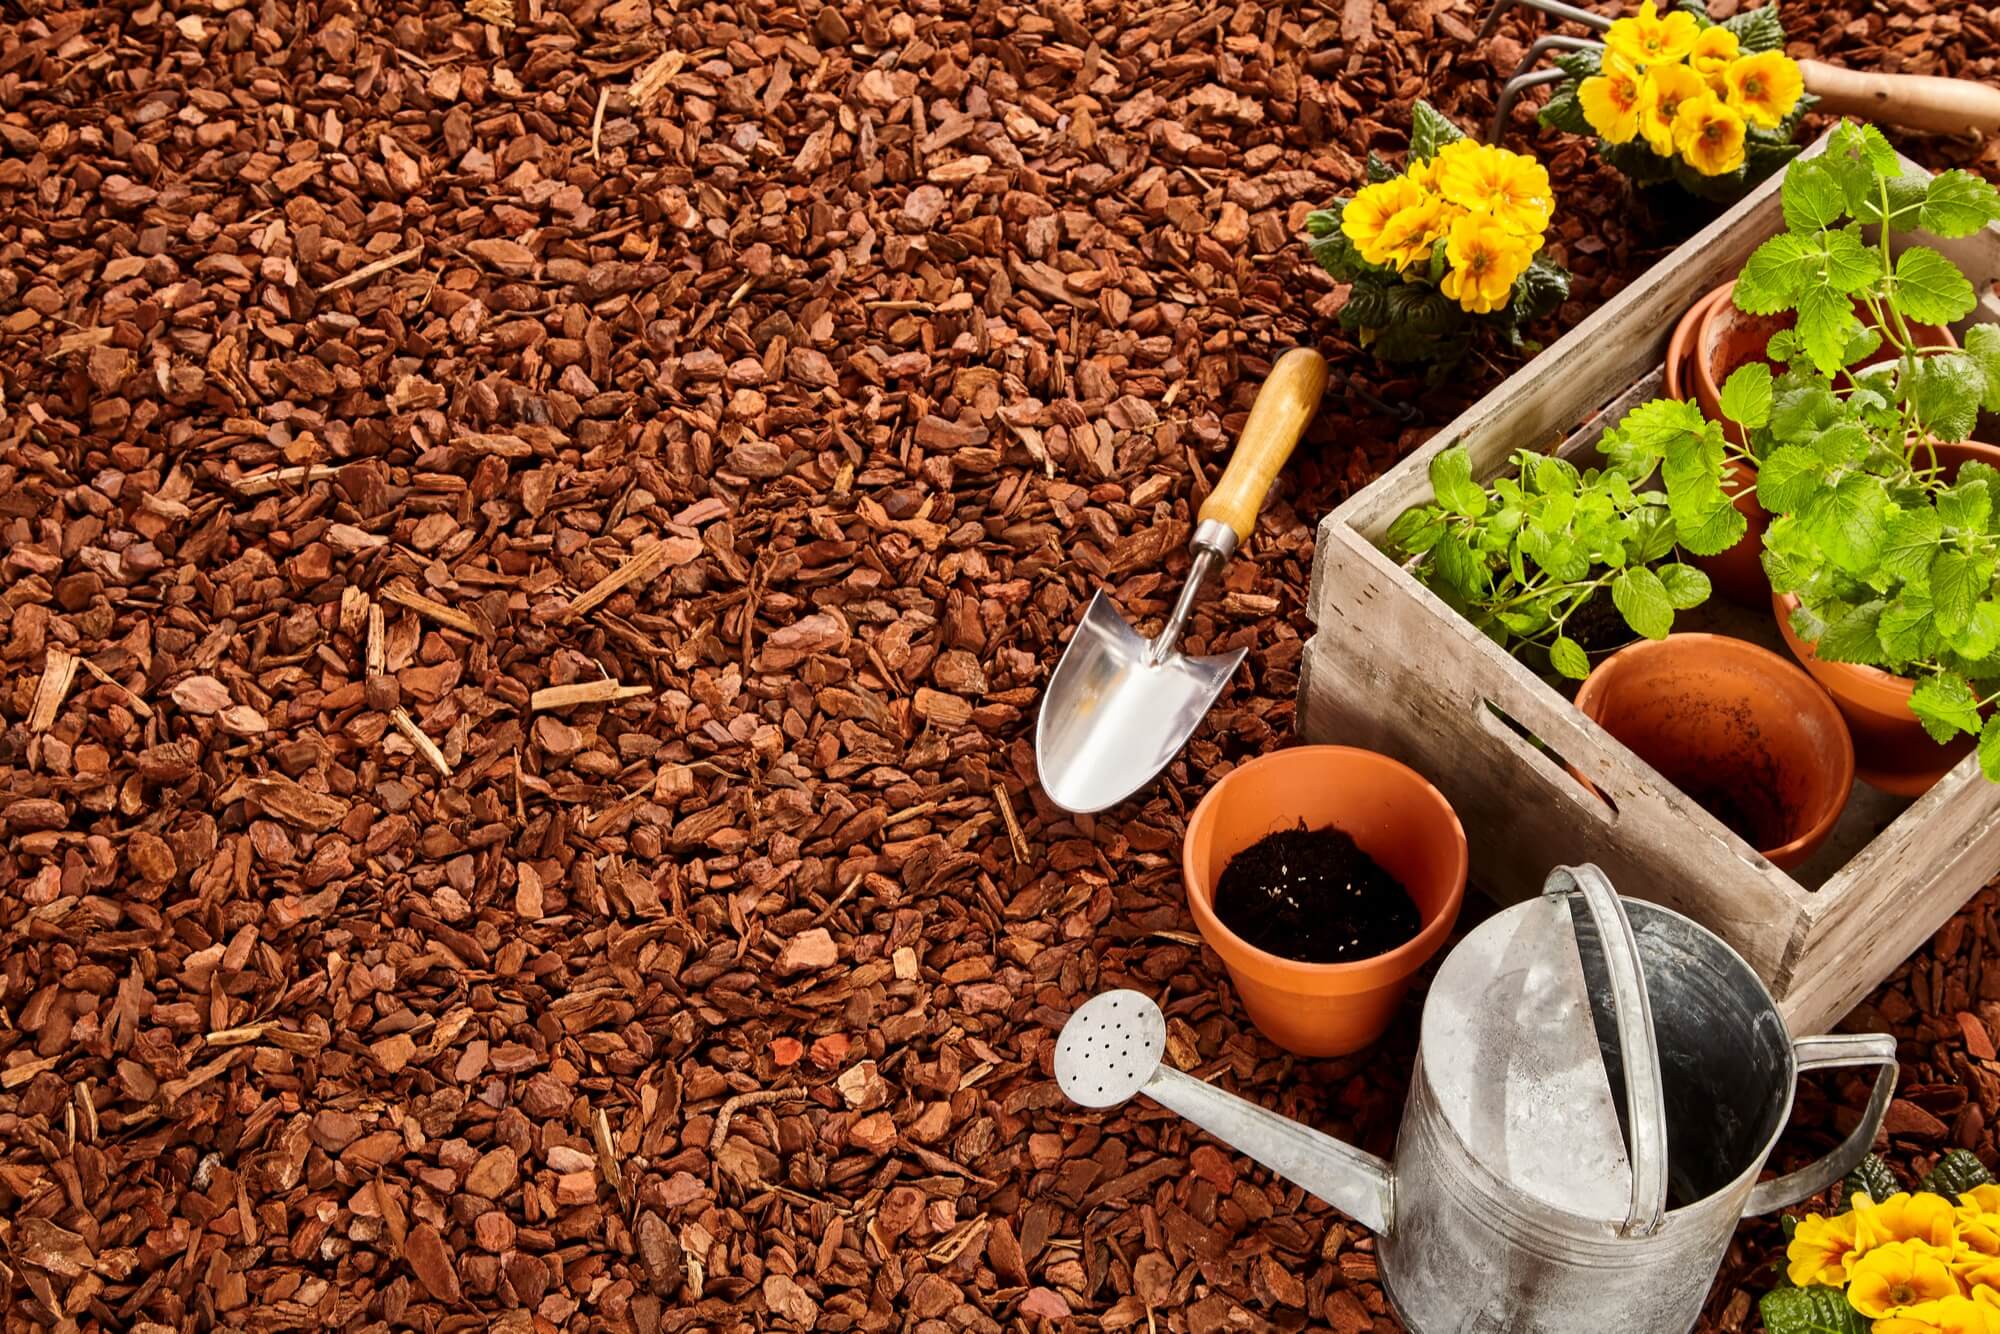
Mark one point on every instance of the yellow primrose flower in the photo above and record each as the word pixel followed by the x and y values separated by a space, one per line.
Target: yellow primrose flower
pixel 1660 98
pixel 1368 213
pixel 1893 1278
pixel 1713 51
pixel 1648 39
pixel 1425 174
pixel 1486 259
pixel 1985 1199
pixel 1611 99
pixel 1709 135
pixel 1511 188
pixel 1821 1250
pixel 1764 88
pixel 1946 1315
pixel 1922 1217
pixel 1978 1233
pixel 1409 237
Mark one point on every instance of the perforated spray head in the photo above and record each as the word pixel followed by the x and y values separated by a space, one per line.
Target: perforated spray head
pixel 1110 1048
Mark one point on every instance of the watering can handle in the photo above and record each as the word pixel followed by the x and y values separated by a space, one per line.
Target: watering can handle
pixel 1827 1053
pixel 1632 1009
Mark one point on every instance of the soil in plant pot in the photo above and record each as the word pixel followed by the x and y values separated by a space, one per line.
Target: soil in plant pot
pixel 1312 895
pixel 1598 625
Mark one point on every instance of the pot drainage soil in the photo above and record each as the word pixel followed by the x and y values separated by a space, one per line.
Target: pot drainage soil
pixel 1314 896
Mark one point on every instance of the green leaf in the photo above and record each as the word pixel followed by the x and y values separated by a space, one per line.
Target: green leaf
pixel 1871 1177
pixel 1564 112
pixel 1958 203
pixel 1686 586
pixel 1430 131
pixel 1908 631
pixel 1850 266
pixel 1826 319
pixel 1905 204
pixel 1980 636
pixel 1542 287
pixel 1982 344
pixel 1812 196
pixel 1847 519
pixel 1945 391
pixel 1642 599
pixel 1956 1173
pixel 1802 411
pixel 1567 656
pixel 1708 528
pixel 1929 287
pixel 1461 567
pixel 1778 273
pixel 1989 749
pixel 1814 1310
pixel 1946 706
pixel 1910 542
pixel 1788 477
pixel 1958 582
pixel 1853 637
pixel 1966 506
pixel 1757 29
pixel 1451 480
pixel 1746 396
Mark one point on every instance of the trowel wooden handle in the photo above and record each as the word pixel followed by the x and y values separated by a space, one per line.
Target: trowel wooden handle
pixel 1914 101
pixel 1278 418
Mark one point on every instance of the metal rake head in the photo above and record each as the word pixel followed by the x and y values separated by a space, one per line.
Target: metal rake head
pixel 1525 74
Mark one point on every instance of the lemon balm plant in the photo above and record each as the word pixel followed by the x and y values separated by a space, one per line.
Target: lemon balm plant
pixel 1676 97
pixel 1893 1261
pixel 1445 252
pixel 1892 552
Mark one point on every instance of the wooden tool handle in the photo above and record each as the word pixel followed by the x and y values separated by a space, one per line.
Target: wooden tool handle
pixel 1278 418
pixel 1914 101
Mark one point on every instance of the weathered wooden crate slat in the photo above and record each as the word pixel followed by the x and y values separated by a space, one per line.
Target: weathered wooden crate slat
pixel 1392 668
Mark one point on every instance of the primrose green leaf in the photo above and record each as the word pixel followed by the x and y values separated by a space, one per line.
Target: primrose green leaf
pixel 1778 273
pixel 1958 581
pixel 1814 1310
pixel 1642 599
pixel 1451 479
pixel 1812 196
pixel 1788 477
pixel 1848 519
pixel 1930 288
pixel 1989 748
pixel 1910 543
pixel 1908 630
pixel 1686 586
pixel 1746 396
pixel 1945 705
pixel 1568 657
pixel 1430 131
pixel 1945 391
pixel 1853 637
pixel 1757 29
pixel 1968 505
pixel 1958 203
pixel 1982 344
pixel 1826 317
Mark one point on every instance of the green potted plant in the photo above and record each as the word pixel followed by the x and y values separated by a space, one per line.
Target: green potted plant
pixel 1443 256
pixel 1884 544
pixel 1559 563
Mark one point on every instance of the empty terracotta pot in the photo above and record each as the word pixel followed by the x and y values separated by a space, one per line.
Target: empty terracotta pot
pixel 1393 815
pixel 1746 734
pixel 1738 573
pixel 1891 749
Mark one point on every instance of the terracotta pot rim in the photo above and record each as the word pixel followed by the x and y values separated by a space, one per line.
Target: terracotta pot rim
pixel 1704 374
pixel 1369 974
pixel 1730 646
pixel 1784 604
pixel 1678 345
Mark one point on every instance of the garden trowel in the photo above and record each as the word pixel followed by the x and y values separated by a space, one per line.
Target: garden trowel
pixel 1120 705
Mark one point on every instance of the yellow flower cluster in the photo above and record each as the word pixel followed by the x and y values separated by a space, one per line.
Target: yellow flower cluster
pixel 1913 1264
pixel 1686 89
pixel 1490 207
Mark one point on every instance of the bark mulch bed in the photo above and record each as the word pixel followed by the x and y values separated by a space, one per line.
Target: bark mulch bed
pixel 531 538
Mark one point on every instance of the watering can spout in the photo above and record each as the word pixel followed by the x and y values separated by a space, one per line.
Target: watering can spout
pixel 1110 1050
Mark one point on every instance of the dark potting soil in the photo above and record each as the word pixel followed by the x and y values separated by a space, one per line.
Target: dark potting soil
pixel 1313 896
pixel 1599 626
pixel 1750 809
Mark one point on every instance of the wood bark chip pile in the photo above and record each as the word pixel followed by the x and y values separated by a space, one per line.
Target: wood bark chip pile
pixel 532 536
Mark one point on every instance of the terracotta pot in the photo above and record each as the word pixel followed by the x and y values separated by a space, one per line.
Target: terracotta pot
pixel 1891 749
pixel 1738 573
pixel 1393 815
pixel 1746 734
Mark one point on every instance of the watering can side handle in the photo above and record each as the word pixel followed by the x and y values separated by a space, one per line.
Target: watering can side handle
pixel 1645 1092
pixel 1354 1182
pixel 1826 1053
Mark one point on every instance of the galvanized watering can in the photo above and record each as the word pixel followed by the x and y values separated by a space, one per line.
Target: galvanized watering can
pixel 1598 1084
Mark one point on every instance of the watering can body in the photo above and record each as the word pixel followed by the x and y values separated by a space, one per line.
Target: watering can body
pixel 1565 1095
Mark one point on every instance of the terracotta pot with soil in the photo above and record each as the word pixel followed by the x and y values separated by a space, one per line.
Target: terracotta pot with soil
pixel 1344 870
pixel 1751 738
pixel 1712 341
pixel 1892 751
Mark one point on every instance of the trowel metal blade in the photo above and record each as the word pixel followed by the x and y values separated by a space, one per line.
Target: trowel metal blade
pixel 1111 720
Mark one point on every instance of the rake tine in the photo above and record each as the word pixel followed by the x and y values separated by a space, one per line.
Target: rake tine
pixel 1553 7
pixel 1514 88
pixel 1543 45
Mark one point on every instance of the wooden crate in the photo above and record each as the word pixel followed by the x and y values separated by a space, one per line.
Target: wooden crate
pixel 1393 669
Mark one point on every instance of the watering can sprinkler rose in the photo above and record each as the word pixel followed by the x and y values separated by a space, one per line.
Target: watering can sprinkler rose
pixel 1528 1195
